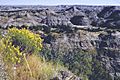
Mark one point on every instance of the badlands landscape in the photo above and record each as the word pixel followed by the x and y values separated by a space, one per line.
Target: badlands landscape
pixel 65 42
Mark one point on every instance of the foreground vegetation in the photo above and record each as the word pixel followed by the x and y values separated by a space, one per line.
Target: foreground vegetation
pixel 19 49
pixel 27 58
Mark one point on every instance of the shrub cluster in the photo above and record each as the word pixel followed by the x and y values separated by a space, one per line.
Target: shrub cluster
pixel 17 42
pixel 25 39
pixel 19 49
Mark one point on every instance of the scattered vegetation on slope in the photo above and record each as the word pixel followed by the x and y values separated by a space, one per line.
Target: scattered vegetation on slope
pixel 27 59
pixel 82 63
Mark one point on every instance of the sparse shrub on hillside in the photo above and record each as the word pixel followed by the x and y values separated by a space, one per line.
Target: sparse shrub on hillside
pixel 99 71
pixel 77 61
pixel 80 62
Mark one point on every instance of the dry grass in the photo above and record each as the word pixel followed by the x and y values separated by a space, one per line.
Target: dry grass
pixel 41 70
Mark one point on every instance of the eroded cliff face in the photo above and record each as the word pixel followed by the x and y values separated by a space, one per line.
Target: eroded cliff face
pixel 109 53
pixel 53 16
pixel 84 39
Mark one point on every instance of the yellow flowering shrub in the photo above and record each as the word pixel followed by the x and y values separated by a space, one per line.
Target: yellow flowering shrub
pixel 25 39
pixel 10 53
pixel 19 41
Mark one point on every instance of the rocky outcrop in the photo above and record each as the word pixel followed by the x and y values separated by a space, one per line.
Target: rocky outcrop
pixel 109 53
pixel 109 17
pixel 65 75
